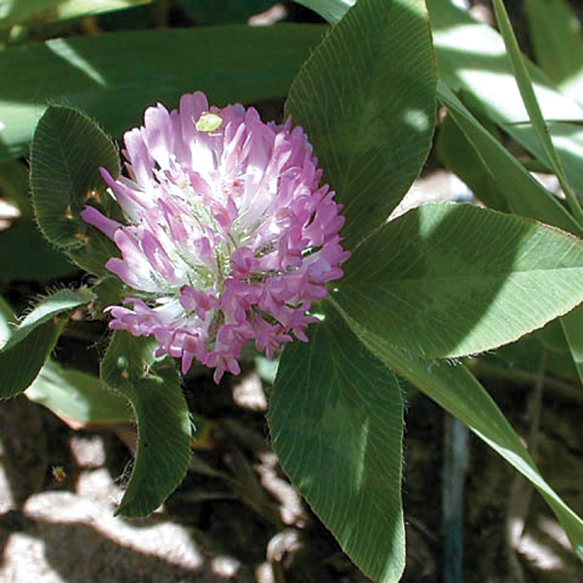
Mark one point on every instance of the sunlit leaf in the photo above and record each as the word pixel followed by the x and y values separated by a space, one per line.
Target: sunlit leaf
pixel 459 155
pixel 114 77
pixel 331 10
pixel 78 8
pixel 447 280
pixel 523 194
pixel 366 99
pixel 530 101
pixel 472 60
pixel 78 398
pixel 17 11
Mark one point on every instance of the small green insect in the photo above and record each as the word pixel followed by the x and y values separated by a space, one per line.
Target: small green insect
pixel 209 122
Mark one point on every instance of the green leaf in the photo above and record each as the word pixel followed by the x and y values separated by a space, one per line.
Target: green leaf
pixel 66 153
pixel 18 11
pixel 524 195
pixel 113 77
pixel 557 42
pixel 80 399
pixel 457 153
pixel 472 61
pixel 330 10
pixel 520 362
pixel 572 325
pixel 366 99
pixel 336 421
pixel 31 258
pixel 471 58
pixel 446 280
pixel 532 106
pixel 153 388
pixel 6 318
pixel 446 385
pixel 79 8
pixel 30 346
pixel 23 11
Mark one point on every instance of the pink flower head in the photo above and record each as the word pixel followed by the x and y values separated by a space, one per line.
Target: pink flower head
pixel 228 237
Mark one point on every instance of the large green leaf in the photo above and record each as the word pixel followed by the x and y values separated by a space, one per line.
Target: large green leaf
pixel 30 346
pixel 153 388
pixel 336 421
pixel 447 280
pixel 67 151
pixel 113 77
pixel 523 194
pixel 366 99
pixel 456 390
pixel 79 398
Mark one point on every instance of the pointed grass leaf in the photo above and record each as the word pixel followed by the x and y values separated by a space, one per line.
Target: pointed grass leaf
pixel 497 169
pixel 153 387
pixel 530 101
pixel 472 59
pixel 30 345
pixel 113 77
pixel 66 154
pixel 457 154
pixel 447 280
pixel 78 398
pixel 336 421
pixel 366 99
pixel 456 390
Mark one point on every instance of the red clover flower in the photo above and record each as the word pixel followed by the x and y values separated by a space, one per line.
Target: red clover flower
pixel 229 237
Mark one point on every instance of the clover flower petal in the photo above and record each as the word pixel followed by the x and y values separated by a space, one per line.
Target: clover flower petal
pixel 228 238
